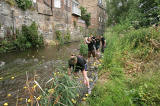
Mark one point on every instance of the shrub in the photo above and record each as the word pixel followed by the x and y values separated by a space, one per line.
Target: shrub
pixel 31 34
pixel 28 37
pixel 85 16
pixel 11 2
pixel 146 92
pixel 83 49
pixel 58 35
pixel 24 4
pixel 67 36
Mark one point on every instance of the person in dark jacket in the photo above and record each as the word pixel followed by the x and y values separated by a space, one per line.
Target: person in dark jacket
pixel 98 40
pixel 103 44
pixel 90 41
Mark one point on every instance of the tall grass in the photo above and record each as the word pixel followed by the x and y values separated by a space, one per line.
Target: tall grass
pixel 127 49
pixel 59 90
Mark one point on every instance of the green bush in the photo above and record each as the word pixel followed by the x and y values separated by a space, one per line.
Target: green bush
pixel 28 37
pixel 67 36
pixel 63 90
pixel 146 90
pixel 11 2
pixel 83 49
pixel 24 4
pixel 58 35
pixel 85 16
pixel 123 46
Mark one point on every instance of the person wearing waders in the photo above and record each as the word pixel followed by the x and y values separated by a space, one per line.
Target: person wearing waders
pixel 79 63
pixel 103 44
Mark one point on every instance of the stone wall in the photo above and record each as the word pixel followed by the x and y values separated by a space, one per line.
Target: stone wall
pixel 48 19
pixel 98 15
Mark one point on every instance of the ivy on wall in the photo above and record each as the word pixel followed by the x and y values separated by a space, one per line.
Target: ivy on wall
pixel 24 4
pixel 85 16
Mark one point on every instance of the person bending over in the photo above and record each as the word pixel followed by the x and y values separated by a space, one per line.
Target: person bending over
pixel 79 63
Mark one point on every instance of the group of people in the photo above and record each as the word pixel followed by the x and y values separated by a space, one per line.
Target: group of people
pixel 94 44
pixel 79 63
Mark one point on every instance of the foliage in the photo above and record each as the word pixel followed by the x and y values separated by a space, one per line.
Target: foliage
pixel 150 10
pixel 11 2
pixel 127 44
pixel 24 4
pixel 83 49
pixel 116 9
pixel 75 24
pixel 63 90
pixel 58 35
pixel 67 36
pixel 146 91
pixel 85 16
pixel 6 45
pixel 28 37
pixel 63 39
pixel 138 12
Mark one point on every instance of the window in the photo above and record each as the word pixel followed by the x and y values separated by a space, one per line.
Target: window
pixel 99 19
pixel 67 2
pixel 57 3
pixel 34 1
pixel 100 1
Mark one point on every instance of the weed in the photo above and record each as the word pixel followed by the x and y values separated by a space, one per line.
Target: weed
pixel 124 45
pixel 11 2
pixel 24 4
pixel 67 36
pixel 28 37
pixel 58 35
pixel 83 49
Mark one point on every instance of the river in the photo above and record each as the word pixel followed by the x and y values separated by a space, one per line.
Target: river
pixel 39 62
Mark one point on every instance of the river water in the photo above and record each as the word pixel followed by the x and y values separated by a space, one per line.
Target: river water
pixel 39 62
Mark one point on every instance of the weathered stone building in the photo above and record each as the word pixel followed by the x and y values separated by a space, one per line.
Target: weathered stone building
pixel 97 8
pixel 52 15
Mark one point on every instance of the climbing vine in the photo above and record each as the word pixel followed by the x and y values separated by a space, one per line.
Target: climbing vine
pixel 24 4
pixel 85 16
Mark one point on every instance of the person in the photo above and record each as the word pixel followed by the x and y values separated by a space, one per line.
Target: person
pixel 91 47
pixel 97 45
pixel 103 44
pixel 79 63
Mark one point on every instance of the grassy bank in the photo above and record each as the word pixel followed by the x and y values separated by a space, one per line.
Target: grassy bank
pixel 131 63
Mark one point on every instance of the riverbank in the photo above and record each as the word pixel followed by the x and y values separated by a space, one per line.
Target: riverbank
pixel 131 69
